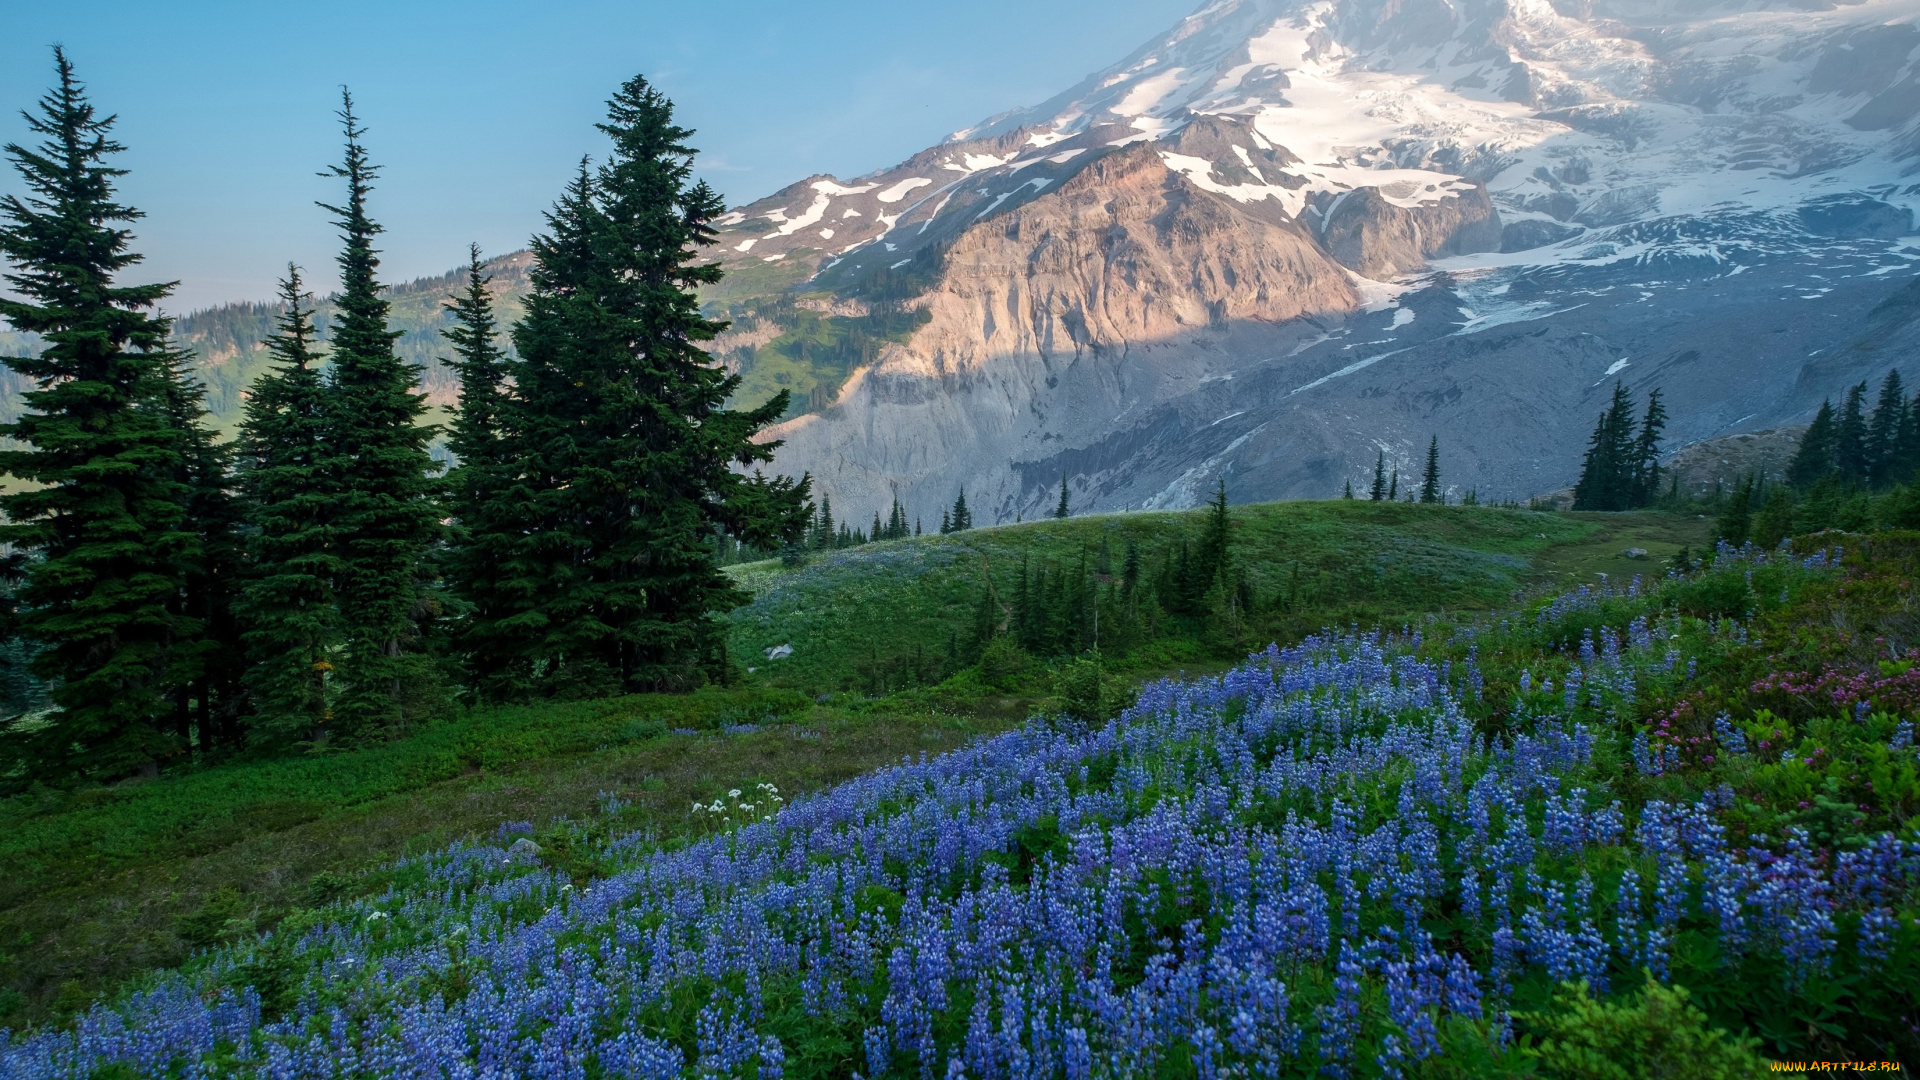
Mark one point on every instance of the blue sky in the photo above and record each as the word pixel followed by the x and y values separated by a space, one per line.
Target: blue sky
pixel 479 109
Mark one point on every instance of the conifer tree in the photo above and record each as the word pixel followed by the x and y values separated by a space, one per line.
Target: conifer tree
pixel 1348 493
pixel 385 514
pixel 1906 452
pixel 1607 474
pixel 1775 520
pixel 1850 437
pixel 1060 511
pixel 1884 432
pixel 962 517
pixel 946 522
pixel 1813 458
pixel 1130 570
pixel 210 661
pixel 286 600
pixel 1212 562
pixel 633 457
pixel 986 617
pixel 826 537
pixel 1736 517
pixel 1430 478
pixel 879 531
pixel 1393 486
pixel 1018 620
pixel 1646 452
pixel 488 532
pixel 1379 489
pixel 103 509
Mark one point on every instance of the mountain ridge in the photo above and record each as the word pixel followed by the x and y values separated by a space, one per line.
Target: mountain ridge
pixel 1606 141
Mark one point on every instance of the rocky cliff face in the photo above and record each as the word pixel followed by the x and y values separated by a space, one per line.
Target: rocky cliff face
pixel 1116 292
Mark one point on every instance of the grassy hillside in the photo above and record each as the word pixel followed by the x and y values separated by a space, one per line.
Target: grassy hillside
pixel 1388 852
pixel 106 882
pixel 864 619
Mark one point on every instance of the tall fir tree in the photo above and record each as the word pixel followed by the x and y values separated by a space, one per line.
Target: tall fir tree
pixel 102 510
pixel 1347 493
pixel 1646 453
pixel 385 515
pixel 1212 563
pixel 1060 511
pixel 287 603
pixel 1850 453
pixel 824 531
pixel 986 617
pixel 1393 485
pixel 1813 458
pixel 1906 452
pixel 1606 475
pixel 633 456
pixel 961 516
pixel 209 699
pixel 1430 477
pixel 1736 517
pixel 1884 434
pixel 1378 492
pixel 488 532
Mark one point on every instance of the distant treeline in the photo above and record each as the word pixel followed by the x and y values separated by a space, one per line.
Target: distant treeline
pixel 1853 469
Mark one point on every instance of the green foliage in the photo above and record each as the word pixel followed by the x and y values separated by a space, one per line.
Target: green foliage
pixel 1775 521
pixel 98 877
pixel 1713 595
pixel 1657 1036
pixel 1003 663
pixel 209 669
pixel 1813 458
pixel 1294 567
pixel 814 351
pixel 104 512
pixel 286 599
pixel 1851 455
pixel 1081 690
pixel 1736 517
pixel 628 460
pixel 1622 470
pixel 1430 478
pixel 198 811
pixel 384 514
pixel 220 918
pixel 1852 449
pixel 485 538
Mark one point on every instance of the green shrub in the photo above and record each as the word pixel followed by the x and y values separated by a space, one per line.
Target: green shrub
pixel 1656 1035
pixel 1003 663
pixel 214 920
pixel 1082 696
pixel 1714 595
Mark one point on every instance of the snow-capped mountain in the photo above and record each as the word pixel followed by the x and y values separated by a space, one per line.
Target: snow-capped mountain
pixel 1292 232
